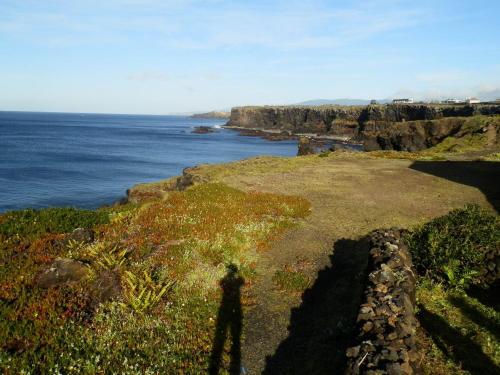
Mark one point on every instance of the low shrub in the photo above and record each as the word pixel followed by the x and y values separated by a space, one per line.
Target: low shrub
pixel 34 223
pixel 452 249
pixel 150 303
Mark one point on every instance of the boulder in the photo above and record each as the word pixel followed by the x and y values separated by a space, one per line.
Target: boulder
pixel 62 271
pixel 203 130
pixel 189 178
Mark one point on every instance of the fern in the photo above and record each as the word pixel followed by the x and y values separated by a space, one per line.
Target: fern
pixel 142 292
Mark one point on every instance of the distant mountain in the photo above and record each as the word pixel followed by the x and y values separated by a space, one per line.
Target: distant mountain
pixel 344 101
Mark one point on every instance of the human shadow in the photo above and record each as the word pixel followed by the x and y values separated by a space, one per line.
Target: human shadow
pixel 488 297
pixel 321 328
pixel 476 315
pixel 483 175
pixel 229 318
pixel 456 346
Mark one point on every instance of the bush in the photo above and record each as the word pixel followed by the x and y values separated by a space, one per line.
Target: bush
pixel 452 249
pixel 34 223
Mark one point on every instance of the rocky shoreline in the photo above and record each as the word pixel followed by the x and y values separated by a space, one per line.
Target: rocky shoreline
pixel 409 127
pixel 315 143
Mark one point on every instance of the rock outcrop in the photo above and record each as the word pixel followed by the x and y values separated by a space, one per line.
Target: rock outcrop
pixel 63 271
pixel 305 146
pixel 203 130
pixel 363 122
pixel 419 135
pixel 188 178
pixel 410 136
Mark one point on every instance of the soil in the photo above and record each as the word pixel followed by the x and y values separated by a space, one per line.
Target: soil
pixel 286 333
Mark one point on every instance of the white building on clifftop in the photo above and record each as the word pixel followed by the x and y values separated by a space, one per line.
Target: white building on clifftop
pixel 454 101
pixel 472 101
pixel 403 101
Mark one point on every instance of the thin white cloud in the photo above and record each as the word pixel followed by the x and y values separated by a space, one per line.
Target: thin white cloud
pixel 211 25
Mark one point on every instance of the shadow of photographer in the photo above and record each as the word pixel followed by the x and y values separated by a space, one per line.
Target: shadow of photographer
pixel 229 320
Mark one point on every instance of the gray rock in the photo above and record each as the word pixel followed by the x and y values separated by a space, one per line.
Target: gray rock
pixel 106 287
pixel 62 271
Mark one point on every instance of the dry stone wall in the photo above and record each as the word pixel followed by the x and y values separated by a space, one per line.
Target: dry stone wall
pixel 385 343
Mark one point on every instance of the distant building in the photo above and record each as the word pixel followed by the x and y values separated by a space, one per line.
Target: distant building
pixel 403 101
pixel 373 101
pixel 472 101
pixel 454 101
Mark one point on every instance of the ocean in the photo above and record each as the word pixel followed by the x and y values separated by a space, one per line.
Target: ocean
pixel 88 160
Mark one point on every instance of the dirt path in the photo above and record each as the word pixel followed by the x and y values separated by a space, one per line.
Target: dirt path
pixel 288 334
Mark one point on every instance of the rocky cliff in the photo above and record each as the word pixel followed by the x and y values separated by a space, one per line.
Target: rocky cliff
pixel 479 132
pixel 352 122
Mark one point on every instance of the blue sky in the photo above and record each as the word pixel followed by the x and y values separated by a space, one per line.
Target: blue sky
pixel 172 56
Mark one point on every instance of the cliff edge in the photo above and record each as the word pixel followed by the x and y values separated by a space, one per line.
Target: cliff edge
pixel 361 123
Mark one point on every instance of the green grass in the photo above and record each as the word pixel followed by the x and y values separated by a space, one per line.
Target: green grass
pixel 31 224
pixel 460 324
pixel 292 281
pixel 294 278
pixel 166 258
pixel 460 332
pixel 467 143
pixel 452 249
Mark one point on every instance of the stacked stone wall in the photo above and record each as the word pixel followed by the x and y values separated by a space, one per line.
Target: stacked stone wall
pixel 386 323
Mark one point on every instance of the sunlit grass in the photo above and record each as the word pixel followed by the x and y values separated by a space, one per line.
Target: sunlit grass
pixel 459 329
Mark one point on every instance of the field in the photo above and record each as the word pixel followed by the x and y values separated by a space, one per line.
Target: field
pixel 244 269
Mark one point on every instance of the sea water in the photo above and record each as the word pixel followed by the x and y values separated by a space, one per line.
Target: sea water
pixel 88 160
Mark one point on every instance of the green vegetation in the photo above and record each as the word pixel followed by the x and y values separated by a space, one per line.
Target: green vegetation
pixel 31 224
pixel 475 135
pixel 290 280
pixel 460 331
pixel 149 301
pixel 452 249
pixel 467 143
pixel 461 324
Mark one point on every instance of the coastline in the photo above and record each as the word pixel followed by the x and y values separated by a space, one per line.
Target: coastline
pixel 91 160
pixel 189 228
pixel 276 134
